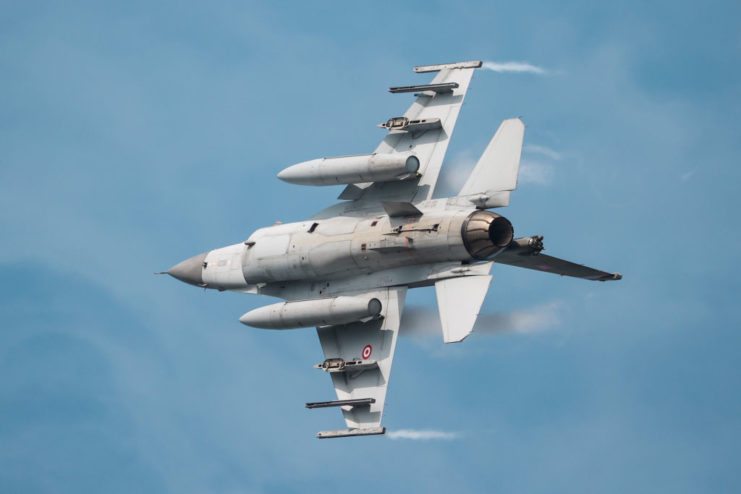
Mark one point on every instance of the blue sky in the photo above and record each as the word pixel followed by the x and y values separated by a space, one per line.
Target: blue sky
pixel 135 135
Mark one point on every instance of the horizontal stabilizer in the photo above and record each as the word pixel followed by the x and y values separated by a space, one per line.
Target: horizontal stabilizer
pixel 459 301
pixel 497 169
pixel 548 264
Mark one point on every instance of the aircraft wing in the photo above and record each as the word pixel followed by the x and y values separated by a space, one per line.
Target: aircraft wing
pixel 358 358
pixel 436 111
pixel 548 264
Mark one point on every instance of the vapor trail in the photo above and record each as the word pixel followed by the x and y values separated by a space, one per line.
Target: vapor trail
pixel 517 67
pixel 421 322
pixel 421 435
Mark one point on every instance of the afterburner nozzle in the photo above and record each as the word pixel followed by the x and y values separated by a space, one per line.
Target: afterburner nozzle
pixel 486 234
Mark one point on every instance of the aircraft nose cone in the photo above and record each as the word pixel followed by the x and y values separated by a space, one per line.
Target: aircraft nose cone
pixel 190 270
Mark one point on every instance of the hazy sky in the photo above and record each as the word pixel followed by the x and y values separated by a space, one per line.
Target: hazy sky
pixel 134 135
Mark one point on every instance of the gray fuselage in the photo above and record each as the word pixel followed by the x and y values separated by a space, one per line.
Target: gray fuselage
pixel 345 246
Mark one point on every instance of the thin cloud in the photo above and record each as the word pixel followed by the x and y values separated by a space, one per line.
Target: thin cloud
pixel 535 172
pixel 454 175
pixel 515 67
pixel 422 435
pixel 535 319
pixel 421 322
pixel 543 150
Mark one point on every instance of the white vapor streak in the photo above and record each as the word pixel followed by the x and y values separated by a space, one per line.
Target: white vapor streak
pixel 534 172
pixel 455 174
pixel 518 67
pixel 544 150
pixel 421 435
pixel 522 321
pixel 420 323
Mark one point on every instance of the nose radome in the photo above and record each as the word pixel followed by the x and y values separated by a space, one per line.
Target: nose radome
pixel 189 271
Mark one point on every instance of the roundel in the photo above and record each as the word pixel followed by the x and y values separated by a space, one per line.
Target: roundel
pixel 367 350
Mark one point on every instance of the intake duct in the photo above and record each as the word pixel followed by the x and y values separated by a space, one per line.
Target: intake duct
pixel 486 234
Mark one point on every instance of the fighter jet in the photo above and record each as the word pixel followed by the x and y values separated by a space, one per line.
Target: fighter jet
pixel 346 270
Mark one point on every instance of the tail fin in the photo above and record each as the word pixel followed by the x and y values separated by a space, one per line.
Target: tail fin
pixel 495 174
pixel 459 301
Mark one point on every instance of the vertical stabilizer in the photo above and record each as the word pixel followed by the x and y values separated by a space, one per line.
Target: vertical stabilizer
pixel 497 169
pixel 459 301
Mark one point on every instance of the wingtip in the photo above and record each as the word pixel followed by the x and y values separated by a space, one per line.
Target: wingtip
pixel 472 64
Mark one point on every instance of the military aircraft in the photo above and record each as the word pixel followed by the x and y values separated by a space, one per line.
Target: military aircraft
pixel 347 269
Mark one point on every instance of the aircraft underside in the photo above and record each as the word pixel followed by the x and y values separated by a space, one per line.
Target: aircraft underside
pixel 347 269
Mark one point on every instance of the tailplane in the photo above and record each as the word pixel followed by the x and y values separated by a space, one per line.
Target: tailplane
pixel 459 301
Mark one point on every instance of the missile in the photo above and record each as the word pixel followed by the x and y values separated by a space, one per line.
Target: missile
pixel 308 313
pixel 352 169
pixel 526 246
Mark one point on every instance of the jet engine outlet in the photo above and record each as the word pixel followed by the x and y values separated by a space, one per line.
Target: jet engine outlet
pixel 486 234
pixel 320 312
pixel 352 169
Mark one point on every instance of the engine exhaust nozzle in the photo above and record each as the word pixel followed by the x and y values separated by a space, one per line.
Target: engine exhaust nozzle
pixel 486 234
